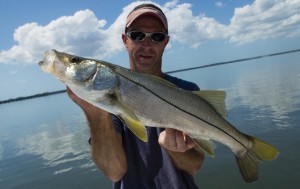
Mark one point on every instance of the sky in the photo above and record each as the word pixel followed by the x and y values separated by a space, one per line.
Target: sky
pixel 201 31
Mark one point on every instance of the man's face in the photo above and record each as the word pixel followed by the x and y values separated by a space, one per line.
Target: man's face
pixel 146 56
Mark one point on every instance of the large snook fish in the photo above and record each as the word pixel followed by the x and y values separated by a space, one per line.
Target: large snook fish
pixel 139 99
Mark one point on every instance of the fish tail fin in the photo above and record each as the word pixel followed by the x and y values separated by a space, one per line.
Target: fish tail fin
pixel 248 163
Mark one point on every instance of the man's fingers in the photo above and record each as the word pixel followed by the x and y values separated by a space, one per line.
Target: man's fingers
pixel 73 96
pixel 170 139
pixel 189 142
pixel 70 93
pixel 87 107
pixel 180 141
pixel 175 140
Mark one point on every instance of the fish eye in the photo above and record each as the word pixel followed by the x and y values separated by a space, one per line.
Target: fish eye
pixel 74 59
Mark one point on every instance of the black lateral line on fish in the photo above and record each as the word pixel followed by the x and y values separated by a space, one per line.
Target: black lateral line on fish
pixel 118 73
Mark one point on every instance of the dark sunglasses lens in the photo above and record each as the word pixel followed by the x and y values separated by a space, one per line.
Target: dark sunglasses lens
pixel 158 37
pixel 140 36
pixel 137 36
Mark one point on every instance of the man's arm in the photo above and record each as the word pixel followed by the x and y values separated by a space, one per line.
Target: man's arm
pixel 181 149
pixel 106 143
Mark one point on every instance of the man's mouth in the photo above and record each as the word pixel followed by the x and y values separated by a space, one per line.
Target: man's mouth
pixel 145 56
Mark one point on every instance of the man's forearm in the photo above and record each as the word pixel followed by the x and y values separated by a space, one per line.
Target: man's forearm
pixel 107 149
pixel 106 143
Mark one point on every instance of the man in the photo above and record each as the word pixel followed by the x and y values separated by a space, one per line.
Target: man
pixel 168 159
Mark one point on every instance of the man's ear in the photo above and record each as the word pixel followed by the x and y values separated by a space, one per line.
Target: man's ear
pixel 166 41
pixel 125 39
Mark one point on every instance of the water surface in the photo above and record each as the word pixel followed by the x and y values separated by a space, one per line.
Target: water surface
pixel 43 142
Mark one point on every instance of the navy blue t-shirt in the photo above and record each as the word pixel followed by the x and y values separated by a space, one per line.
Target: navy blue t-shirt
pixel 149 165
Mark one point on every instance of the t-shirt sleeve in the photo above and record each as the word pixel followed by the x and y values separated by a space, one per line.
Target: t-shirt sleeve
pixel 119 126
pixel 186 85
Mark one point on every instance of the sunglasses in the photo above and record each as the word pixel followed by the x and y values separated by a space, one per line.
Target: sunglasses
pixel 156 37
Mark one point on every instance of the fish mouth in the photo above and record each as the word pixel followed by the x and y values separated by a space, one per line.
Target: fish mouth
pixel 41 64
pixel 47 64
pixel 45 67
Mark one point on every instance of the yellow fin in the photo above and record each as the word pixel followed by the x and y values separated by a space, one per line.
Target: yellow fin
pixel 248 162
pixel 136 127
pixel 264 150
pixel 205 145
pixel 132 121
pixel 215 98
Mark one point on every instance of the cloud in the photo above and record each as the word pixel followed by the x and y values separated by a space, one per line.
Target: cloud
pixel 83 33
pixel 219 4
pixel 265 19
pixel 192 30
pixel 13 72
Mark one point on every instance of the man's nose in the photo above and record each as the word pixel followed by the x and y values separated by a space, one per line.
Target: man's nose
pixel 147 41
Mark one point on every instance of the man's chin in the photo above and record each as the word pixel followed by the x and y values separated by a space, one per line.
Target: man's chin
pixel 144 68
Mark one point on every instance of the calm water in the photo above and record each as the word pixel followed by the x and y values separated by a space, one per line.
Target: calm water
pixel 43 142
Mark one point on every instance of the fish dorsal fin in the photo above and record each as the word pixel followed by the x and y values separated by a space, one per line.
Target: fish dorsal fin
pixel 215 98
pixel 205 145
pixel 132 122
pixel 163 81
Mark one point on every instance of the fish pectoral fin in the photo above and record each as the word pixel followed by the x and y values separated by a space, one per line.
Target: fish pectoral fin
pixel 215 98
pixel 249 161
pixel 205 145
pixel 132 121
pixel 136 127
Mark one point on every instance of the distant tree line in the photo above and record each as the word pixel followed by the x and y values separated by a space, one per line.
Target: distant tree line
pixel 32 96
pixel 169 72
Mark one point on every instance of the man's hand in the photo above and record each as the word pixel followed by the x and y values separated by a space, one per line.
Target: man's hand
pixel 93 113
pixel 180 148
pixel 175 140
pixel 87 107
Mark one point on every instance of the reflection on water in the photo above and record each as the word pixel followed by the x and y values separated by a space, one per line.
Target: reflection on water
pixel 56 144
pixel 53 149
pixel 48 140
pixel 1 151
pixel 43 142
pixel 273 89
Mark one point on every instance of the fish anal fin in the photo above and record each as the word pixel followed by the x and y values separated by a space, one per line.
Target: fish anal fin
pixel 248 163
pixel 216 98
pixel 206 146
